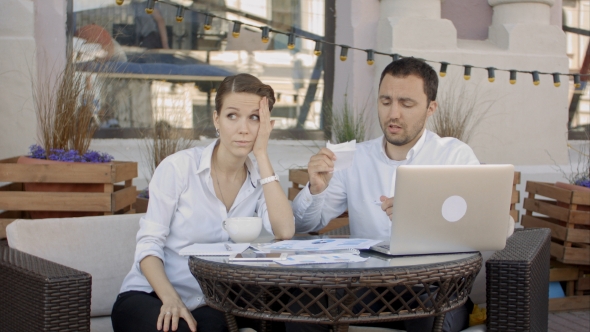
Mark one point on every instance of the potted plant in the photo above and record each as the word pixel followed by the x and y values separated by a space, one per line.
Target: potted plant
pixel 165 138
pixel 49 181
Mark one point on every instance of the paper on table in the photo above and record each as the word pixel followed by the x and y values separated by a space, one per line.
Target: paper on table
pixel 344 154
pixel 320 244
pixel 321 259
pixel 213 249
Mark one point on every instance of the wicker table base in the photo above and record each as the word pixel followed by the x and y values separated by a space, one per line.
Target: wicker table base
pixel 338 294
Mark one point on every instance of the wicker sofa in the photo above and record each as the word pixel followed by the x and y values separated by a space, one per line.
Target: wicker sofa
pixel 54 294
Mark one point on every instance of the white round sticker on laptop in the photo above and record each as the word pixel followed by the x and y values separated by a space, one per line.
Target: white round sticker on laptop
pixel 454 208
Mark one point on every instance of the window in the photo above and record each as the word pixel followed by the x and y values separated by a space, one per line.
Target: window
pixel 161 70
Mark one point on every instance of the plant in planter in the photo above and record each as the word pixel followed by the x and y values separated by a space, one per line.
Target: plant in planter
pixel 166 138
pixel 61 167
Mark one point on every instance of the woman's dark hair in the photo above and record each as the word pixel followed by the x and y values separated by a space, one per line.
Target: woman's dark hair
pixel 412 66
pixel 245 83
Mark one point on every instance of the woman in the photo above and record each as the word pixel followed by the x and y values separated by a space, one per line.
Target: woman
pixel 191 193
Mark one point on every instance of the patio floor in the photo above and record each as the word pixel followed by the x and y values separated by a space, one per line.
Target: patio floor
pixel 569 321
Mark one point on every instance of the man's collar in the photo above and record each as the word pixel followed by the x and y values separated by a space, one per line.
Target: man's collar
pixel 413 151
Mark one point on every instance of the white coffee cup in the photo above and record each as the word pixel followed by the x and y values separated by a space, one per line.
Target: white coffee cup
pixel 243 229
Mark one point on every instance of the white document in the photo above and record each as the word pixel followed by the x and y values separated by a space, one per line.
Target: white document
pixel 321 259
pixel 213 249
pixel 319 244
pixel 344 154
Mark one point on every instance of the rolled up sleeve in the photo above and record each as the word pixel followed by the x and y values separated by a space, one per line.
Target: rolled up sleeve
pixel 165 188
pixel 314 212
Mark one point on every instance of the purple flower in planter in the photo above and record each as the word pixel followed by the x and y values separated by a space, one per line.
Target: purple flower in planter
pixel 583 183
pixel 69 156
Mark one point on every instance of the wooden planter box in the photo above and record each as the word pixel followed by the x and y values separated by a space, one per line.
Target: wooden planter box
pixel 567 216
pixel 300 177
pixel 114 199
pixel 577 280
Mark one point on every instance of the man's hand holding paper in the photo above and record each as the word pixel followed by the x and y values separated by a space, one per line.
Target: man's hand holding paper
pixel 331 158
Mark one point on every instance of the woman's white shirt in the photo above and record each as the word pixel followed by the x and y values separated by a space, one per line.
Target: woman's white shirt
pixel 183 210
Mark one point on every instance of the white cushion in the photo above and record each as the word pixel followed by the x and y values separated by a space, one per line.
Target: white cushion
pixel 102 246
pixel 101 324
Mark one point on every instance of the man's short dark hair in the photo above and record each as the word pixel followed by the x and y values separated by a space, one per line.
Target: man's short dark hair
pixel 412 66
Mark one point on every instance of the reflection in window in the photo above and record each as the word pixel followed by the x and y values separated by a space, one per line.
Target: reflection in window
pixel 160 69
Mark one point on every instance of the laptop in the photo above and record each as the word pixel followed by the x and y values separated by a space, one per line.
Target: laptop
pixel 449 209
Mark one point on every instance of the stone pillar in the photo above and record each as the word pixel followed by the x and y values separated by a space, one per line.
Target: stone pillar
pixel 414 24
pixel 524 26
pixel 18 69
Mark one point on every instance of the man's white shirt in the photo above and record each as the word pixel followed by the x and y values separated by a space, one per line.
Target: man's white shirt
pixel 371 176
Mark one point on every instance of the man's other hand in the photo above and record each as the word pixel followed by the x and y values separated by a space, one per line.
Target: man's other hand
pixel 387 205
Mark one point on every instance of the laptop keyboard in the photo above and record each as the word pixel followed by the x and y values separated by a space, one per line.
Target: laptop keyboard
pixel 384 246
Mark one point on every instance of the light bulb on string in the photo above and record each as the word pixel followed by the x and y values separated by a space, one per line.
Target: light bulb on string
pixel 556 80
pixel 119 2
pixel 467 72
pixel 180 14
pixel 265 34
pixel 343 53
pixel 279 96
pixel 443 69
pixel 370 57
pixel 395 56
pixel 236 31
pixel 491 74
pixel 318 48
pixel 513 77
pixel 577 83
pixel 536 80
pixel 208 22
pixel 150 6
pixel 291 42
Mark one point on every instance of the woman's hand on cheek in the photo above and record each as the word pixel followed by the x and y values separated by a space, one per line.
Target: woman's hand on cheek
pixel 266 125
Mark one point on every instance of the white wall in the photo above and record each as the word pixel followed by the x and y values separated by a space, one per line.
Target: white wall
pixel 32 46
pixel 17 68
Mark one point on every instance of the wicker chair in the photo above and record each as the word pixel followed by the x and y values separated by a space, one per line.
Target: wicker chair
pixel 39 295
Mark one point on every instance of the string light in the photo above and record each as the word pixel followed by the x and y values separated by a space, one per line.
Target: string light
pixel 318 48
pixel 180 14
pixel 150 6
pixel 208 21
pixel 577 83
pixel 278 96
pixel 491 74
pixel 536 80
pixel 291 42
pixel 237 26
pixel 513 77
pixel 370 53
pixel 370 57
pixel 443 69
pixel 265 34
pixel 344 53
pixel 467 72
pixel 556 80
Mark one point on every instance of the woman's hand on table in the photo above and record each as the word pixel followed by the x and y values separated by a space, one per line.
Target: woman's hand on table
pixel 171 312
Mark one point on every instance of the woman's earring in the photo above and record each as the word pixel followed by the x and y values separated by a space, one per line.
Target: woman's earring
pixel 217 132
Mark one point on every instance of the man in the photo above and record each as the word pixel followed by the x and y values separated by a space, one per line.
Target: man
pixel 407 98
